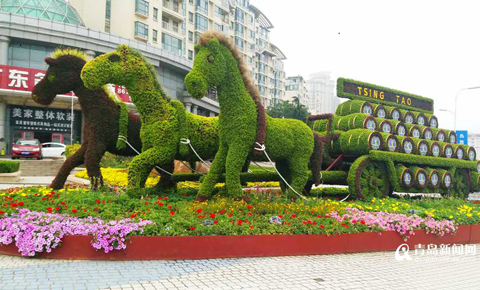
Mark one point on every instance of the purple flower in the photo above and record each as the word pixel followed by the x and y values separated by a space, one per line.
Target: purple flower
pixel 36 232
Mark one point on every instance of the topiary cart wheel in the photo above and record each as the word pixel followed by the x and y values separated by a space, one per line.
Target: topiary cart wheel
pixel 368 179
pixel 462 183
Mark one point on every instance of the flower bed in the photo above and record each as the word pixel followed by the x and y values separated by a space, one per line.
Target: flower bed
pixel 180 215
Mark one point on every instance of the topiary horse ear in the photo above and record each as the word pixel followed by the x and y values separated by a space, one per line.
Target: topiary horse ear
pixel 123 49
pixel 214 44
pixel 50 61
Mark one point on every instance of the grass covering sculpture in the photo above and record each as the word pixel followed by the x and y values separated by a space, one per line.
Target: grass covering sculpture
pixel 164 122
pixel 104 118
pixel 289 142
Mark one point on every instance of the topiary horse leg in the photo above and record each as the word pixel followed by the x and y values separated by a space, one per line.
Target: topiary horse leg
pixel 217 168
pixel 299 173
pixel 237 154
pixel 93 156
pixel 73 161
pixel 165 179
pixel 142 165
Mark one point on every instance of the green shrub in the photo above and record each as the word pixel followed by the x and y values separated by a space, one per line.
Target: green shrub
pixel 9 166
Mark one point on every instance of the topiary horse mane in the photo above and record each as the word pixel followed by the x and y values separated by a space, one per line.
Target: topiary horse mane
pixel 289 142
pixel 105 117
pixel 164 121
pixel 250 86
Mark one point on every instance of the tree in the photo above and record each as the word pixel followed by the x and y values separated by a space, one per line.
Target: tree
pixel 286 109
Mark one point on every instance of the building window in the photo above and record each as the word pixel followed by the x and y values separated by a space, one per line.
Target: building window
pixel 172 44
pixel 141 30
pixel 239 15
pixel 202 6
pixel 190 36
pixel 190 17
pixel 201 22
pixel 218 27
pixel 155 35
pixel 141 7
pixel 29 56
pixel 190 55
pixel 190 1
pixel 239 43
pixel 155 14
pixel 239 29
pixel 108 9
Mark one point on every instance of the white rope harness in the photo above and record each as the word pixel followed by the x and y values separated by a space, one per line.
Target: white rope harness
pixel 262 148
pixel 186 141
pixel 124 139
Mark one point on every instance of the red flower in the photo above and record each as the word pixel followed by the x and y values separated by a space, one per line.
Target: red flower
pixel 199 210
pixel 57 208
pixel 215 222
pixel 62 203
pixel 362 222
pixel 2 212
pixel 345 225
pixel 21 203
pixel 304 222
pixel 294 215
pixel 353 222
pixel 230 215
pixel 74 210
pixel 251 227
pixel 212 215
pixel 133 215
pixel 172 212
pixel 322 226
pixel 95 209
pixel 240 222
pixel 475 202
pixel 280 216
pixel 84 210
pixel 97 201
pixel 249 214
pixel 185 194
pixel 146 203
pixel 49 209
pixel 165 198
pixel 160 204
pixel 192 228
pixel 249 207
pixel 169 207
pixel 13 204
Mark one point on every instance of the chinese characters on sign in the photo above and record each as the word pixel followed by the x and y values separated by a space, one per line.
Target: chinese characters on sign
pixel 41 119
pixel 19 79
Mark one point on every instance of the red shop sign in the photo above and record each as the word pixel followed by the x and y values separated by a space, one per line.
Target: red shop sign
pixel 19 78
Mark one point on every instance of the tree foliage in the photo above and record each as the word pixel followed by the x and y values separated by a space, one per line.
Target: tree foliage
pixel 291 110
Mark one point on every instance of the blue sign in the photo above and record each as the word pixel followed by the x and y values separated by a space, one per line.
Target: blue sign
pixel 462 137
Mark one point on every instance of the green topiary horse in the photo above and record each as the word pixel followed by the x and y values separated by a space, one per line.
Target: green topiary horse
pixel 164 122
pixel 289 142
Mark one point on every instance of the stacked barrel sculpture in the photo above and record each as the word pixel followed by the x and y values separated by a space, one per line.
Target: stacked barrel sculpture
pixel 390 141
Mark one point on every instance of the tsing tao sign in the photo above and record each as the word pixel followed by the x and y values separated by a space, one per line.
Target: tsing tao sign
pixel 352 89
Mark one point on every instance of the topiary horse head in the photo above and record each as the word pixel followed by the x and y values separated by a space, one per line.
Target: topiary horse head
pixel 104 117
pixel 289 142
pixel 62 76
pixel 164 122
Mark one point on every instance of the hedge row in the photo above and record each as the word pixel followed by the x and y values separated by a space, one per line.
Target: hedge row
pixel 9 166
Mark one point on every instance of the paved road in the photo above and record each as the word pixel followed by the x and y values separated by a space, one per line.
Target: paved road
pixel 352 271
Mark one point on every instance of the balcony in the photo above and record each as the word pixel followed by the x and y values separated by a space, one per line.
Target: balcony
pixel 174 9
pixel 171 28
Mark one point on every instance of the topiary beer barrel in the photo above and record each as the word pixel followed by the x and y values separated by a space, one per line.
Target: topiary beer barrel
pixel 354 107
pixel 358 142
pixel 405 176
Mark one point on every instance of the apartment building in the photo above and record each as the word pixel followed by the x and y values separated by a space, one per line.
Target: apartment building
pixel 474 141
pixel 175 26
pixel 296 87
pixel 321 93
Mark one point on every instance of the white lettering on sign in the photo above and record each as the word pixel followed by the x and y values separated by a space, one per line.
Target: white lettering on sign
pixel 38 77
pixel 18 79
pixel 39 115
pixel 50 115
pixel 17 113
pixel 27 113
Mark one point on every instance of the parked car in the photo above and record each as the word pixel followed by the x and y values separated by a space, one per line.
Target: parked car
pixel 27 148
pixel 52 149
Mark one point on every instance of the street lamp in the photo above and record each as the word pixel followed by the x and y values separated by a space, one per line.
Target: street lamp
pixel 456 99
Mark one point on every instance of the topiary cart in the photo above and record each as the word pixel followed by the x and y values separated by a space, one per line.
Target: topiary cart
pixel 390 141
